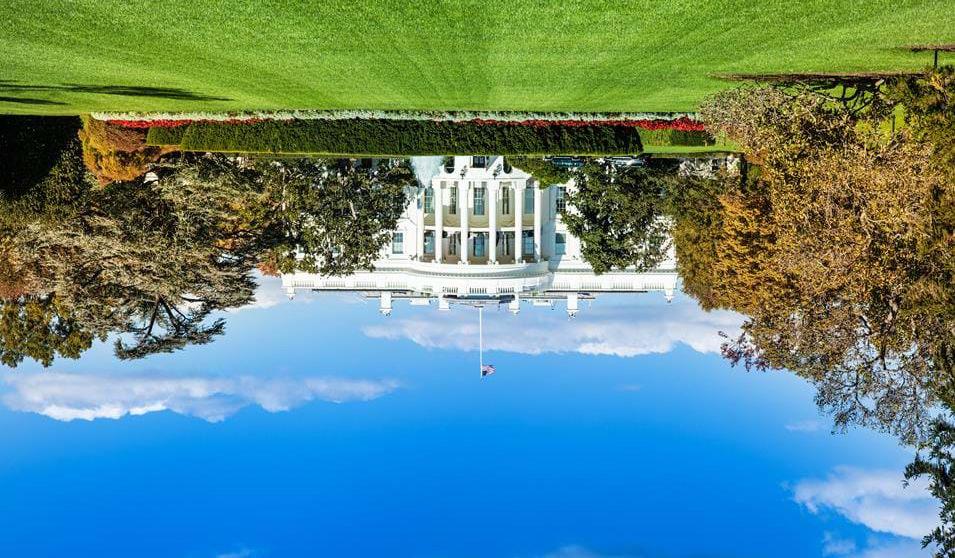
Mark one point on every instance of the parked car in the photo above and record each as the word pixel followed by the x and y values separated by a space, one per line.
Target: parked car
pixel 626 161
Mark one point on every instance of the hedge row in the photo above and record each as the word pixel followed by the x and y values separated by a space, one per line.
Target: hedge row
pixel 676 138
pixel 406 137
pixel 165 136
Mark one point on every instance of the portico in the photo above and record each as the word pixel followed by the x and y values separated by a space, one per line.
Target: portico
pixel 477 213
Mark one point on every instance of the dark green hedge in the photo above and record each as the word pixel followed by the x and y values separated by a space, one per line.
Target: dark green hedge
pixel 676 138
pixel 165 136
pixel 409 137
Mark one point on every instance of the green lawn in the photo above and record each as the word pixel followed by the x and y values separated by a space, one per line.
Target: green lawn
pixel 62 57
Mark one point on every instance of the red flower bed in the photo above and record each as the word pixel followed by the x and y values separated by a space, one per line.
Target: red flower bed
pixel 177 123
pixel 683 123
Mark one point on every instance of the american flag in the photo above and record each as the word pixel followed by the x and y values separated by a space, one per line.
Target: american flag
pixel 487 370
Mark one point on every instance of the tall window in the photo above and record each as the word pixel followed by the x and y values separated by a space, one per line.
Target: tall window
pixel 560 244
pixel 429 242
pixel 506 199
pixel 528 201
pixel 398 243
pixel 453 210
pixel 453 244
pixel 479 200
pixel 561 199
pixel 429 200
pixel 479 245
pixel 528 243
pixel 508 243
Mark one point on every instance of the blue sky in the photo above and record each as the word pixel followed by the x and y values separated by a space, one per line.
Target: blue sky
pixel 319 427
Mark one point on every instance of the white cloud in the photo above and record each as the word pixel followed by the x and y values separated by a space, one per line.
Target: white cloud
pixel 69 397
pixel 833 545
pixel 905 548
pixel 623 331
pixel 804 426
pixel 876 499
pixel 577 551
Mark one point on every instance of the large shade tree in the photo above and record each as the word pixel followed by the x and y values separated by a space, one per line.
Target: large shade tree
pixel 332 217
pixel 838 249
pixel 617 213
pixel 152 262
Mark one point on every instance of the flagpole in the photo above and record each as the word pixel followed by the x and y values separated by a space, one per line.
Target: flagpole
pixel 481 340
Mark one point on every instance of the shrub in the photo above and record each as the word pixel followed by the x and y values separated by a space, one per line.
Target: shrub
pixel 676 138
pixel 163 135
pixel 409 137
pixel 115 153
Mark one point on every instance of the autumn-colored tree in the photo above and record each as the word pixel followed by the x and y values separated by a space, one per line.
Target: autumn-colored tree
pixel 115 153
pixel 835 251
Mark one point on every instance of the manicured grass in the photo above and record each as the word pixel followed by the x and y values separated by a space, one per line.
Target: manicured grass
pixel 66 57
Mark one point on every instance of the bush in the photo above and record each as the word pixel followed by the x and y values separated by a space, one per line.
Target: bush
pixel 114 153
pixel 409 137
pixel 160 136
pixel 676 138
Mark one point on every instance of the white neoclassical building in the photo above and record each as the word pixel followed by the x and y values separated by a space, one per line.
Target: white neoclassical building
pixel 483 233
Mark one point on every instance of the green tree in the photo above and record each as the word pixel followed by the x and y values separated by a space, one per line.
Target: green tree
pixel 617 215
pixel 333 218
pixel 36 327
pixel 939 467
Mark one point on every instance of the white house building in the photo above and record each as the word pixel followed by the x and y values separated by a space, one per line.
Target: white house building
pixel 480 234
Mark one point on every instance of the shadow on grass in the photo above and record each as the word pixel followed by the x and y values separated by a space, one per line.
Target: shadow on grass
pixel 28 101
pixel 120 90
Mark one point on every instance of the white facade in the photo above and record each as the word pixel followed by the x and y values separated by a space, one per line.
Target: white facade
pixel 456 243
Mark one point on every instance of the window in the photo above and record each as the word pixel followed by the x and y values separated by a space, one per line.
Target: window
pixel 508 243
pixel 429 242
pixel 398 243
pixel 528 201
pixel 506 200
pixel 453 244
pixel 479 162
pixel 479 243
pixel 453 210
pixel 479 200
pixel 429 200
pixel 561 199
pixel 528 243
pixel 560 244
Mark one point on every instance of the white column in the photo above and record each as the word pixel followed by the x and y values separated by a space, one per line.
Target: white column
pixel 439 223
pixel 492 221
pixel 518 222
pixel 464 194
pixel 538 215
pixel 419 250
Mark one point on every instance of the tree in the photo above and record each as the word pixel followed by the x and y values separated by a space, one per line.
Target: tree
pixel 939 467
pixel 543 170
pixel 36 327
pixel 617 215
pixel 114 153
pixel 333 218
pixel 154 261
pixel 838 252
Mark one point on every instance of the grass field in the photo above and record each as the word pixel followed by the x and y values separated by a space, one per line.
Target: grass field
pixel 66 57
